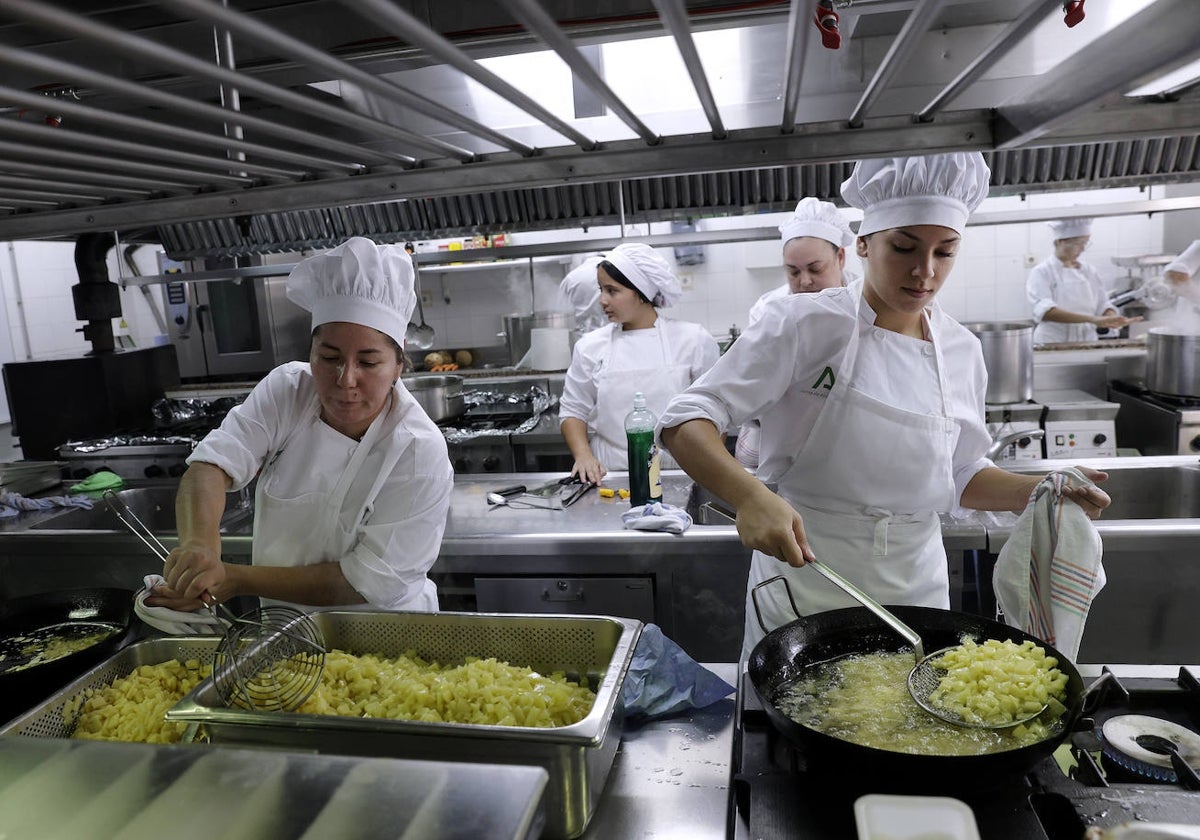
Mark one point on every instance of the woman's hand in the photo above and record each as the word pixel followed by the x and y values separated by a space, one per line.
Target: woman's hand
pixel 1093 500
pixel 194 573
pixel 589 469
pixel 1114 321
pixel 767 523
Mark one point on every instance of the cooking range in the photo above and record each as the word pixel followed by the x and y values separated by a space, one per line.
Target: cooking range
pixel 778 790
pixel 479 439
pixel 1153 423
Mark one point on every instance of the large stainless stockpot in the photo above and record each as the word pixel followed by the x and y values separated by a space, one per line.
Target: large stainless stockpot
pixel 1173 362
pixel 518 330
pixel 1008 357
pixel 440 396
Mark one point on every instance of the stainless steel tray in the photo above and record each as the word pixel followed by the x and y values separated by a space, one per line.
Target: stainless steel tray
pixel 46 720
pixel 577 757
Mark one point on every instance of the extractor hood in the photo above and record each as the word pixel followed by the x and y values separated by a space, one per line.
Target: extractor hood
pixel 254 126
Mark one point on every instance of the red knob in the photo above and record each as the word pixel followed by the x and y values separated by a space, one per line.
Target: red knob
pixel 826 20
pixel 1074 13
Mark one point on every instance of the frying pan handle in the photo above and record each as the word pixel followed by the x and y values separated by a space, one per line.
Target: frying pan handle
pixel 754 599
pixel 873 605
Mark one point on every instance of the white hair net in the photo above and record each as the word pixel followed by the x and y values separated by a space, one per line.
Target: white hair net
pixel 822 219
pixel 649 272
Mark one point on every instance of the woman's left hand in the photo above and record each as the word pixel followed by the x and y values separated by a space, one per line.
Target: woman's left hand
pixel 165 596
pixel 1092 499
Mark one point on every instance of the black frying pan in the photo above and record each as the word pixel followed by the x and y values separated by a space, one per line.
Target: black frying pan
pixel 24 617
pixel 784 652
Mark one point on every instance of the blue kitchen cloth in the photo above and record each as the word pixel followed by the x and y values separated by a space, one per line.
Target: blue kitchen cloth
pixel 657 516
pixel 662 679
pixel 12 504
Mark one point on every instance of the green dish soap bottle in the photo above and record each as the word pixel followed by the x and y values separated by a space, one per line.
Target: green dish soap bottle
pixel 645 484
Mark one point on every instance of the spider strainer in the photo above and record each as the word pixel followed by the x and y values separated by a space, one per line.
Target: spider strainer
pixel 271 658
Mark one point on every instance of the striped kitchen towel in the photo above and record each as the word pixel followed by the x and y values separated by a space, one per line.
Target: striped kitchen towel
pixel 1050 569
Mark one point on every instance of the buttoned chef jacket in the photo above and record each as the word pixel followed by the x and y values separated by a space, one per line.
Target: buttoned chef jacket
pixel 756 311
pixel 611 352
pixel 379 513
pixel 781 369
pixel 1052 284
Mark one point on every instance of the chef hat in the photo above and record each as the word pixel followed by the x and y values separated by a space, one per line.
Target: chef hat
pixel 1070 228
pixel 821 219
pixel 580 290
pixel 647 271
pixel 929 190
pixel 358 282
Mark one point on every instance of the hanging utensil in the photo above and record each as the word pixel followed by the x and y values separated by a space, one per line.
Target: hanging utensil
pixel 419 336
pixel 268 659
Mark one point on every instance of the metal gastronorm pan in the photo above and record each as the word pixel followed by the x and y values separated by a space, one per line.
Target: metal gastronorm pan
pixel 577 757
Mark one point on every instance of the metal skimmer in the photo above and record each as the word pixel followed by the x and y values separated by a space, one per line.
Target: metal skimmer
pixel 269 659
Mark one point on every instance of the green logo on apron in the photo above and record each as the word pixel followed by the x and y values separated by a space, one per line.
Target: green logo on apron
pixel 825 380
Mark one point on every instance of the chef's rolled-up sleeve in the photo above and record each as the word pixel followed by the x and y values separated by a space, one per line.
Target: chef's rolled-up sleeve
pixel 578 398
pixel 1039 288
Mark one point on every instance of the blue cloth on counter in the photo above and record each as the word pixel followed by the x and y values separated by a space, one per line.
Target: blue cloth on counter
pixel 13 504
pixel 657 517
pixel 662 679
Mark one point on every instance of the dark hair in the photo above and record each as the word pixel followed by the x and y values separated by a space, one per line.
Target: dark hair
pixel 615 273
pixel 404 360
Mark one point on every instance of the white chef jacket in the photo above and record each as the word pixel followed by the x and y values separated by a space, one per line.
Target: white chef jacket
pixel 1052 284
pixel 756 311
pixel 610 349
pixel 776 371
pixel 387 505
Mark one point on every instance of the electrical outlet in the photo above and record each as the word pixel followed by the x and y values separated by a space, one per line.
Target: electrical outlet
pixel 685 281
pixel 426 298
pixel 1030 260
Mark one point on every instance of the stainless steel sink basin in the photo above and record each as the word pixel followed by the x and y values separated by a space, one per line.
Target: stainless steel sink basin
pixel 707 509
pixel 155 506
pixel 1154 492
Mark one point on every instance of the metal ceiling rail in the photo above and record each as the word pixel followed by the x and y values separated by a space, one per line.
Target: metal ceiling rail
pixel 138 126
pixel 69 191
pixel 52 17
pixel 13 151
pixel 25 198
pixel 674 15
pixel 58 69
pixel 798 36
pixel 99 179
pixel 407 27
pixel 45 136
pixel 312 57
pixel 907 39
pixel 1016 31
pixel 1161 37
pixel 47 196
pixel 533 17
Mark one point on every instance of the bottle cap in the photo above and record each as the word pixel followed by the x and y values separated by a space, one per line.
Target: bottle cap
pixel 639 401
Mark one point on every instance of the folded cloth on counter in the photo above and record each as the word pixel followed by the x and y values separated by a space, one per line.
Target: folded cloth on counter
pixel 662 679
pixel 173 622
pixel 1050 569
pixel 12 504
pixel 99 480
pixel 657 517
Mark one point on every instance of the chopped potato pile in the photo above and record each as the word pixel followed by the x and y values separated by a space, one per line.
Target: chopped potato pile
pixel 996 683
pixel 132 708
pixel 483 691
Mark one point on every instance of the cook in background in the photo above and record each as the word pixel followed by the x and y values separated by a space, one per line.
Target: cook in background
pixel 640 350
pixel 353 477
pixel 871 402
pixel 1185 266
pixel 581 294
pixel 1068 297
pixel 815 238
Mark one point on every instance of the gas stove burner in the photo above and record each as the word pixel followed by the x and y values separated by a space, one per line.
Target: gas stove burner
pixel 1119 736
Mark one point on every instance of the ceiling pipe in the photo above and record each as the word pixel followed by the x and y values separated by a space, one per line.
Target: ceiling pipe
pixel 797 51
pixel 674 15
pixel 12 152
pixel 231 99
pixel 64 191
pixel 531 15
pixel 56 68
pixel 993 52
pixel 405 26
pixel 255 30
pixel 905 43
pixel 97 300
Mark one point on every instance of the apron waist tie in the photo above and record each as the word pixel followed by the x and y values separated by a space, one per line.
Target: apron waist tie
pixel 880 548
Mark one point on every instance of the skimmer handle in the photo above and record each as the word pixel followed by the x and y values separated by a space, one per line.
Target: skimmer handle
pixel 873 605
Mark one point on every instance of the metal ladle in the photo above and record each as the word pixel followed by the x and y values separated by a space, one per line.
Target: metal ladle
pixel 418 336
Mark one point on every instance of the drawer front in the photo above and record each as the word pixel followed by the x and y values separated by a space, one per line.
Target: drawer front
pixel 628 597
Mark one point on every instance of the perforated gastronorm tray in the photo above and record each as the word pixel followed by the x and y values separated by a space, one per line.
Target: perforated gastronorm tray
pixel 577 757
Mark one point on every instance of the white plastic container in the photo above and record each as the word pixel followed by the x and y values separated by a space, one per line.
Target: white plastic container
pixel 885 817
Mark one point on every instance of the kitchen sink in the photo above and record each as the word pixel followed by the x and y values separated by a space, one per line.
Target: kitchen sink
pixel 706 509
pixel 154 506
pixel 1148 492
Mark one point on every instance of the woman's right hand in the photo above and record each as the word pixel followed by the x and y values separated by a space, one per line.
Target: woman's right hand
pixel 194 570
pixel 589 469
pixel 767 523
pixel 1114 321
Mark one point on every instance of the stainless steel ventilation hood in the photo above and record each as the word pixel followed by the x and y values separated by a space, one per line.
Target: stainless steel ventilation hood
pixel 255 126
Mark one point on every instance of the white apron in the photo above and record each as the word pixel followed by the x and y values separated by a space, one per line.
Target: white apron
pixel 658 382
pixel 868 484
pixel 306 529
pixel 1073 292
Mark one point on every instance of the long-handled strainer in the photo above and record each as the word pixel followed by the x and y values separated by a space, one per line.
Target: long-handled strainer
pixel 268 659
pixel 925 677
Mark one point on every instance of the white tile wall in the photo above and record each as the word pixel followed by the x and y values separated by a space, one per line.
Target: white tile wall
pixel 466 307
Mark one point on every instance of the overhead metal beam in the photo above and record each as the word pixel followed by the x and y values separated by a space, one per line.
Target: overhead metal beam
pixel 798 36
pixel 14 152
pixel 101 180
pixel 66 190
pixel 533 17
pixel 915 25
pixel 743 149
pixel 1156 40
pixel 675 16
